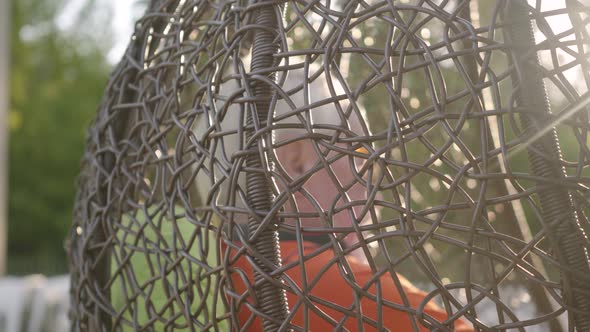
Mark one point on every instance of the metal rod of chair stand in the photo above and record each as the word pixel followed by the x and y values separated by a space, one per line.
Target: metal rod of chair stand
pixel 544 156
pixel 272 300
pixel 518 227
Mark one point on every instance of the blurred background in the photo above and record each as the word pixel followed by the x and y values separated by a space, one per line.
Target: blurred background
pixel 55 59
pixel 60 54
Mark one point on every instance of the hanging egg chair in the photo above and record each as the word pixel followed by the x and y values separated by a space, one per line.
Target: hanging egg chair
pixel 346 165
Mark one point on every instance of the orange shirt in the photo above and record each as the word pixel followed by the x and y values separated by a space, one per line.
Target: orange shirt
pixel 333 295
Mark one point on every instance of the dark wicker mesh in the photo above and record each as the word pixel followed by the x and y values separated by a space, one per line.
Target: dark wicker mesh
pixel 444 141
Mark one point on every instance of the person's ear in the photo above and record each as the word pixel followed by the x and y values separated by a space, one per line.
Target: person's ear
pixel 297 157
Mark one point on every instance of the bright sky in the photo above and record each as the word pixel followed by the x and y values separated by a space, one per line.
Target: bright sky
pixel 123 22
pixel 123 18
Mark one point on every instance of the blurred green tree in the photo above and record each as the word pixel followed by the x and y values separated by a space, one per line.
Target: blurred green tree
pixel 58 73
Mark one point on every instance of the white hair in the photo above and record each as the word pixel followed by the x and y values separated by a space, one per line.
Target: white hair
pixel 310 99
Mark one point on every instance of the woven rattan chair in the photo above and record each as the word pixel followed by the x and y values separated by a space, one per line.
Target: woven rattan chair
pixel 406 165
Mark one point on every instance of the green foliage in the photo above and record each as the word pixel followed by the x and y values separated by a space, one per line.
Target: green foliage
pixel 56 85
pixel 164 275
